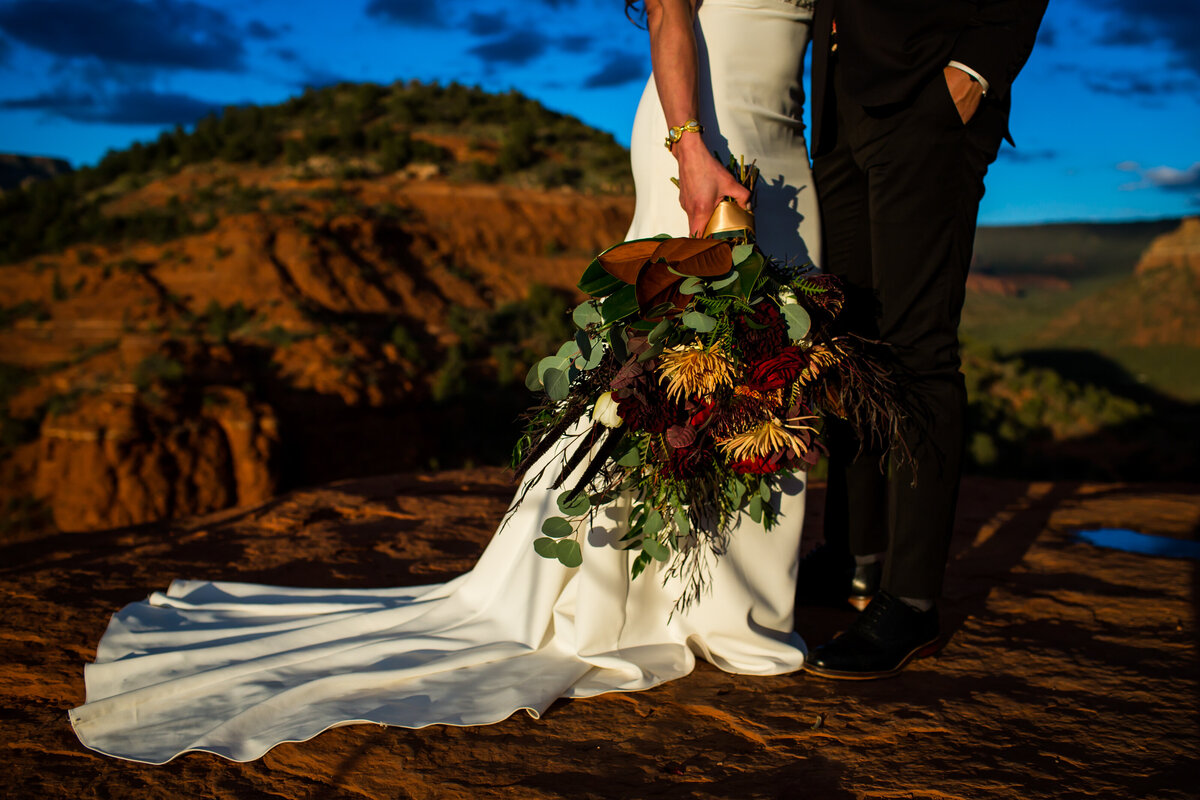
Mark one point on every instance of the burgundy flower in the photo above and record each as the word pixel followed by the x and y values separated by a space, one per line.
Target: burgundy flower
pixel 778 370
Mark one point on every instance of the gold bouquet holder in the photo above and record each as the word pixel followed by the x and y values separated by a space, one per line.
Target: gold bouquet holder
pixel 730 221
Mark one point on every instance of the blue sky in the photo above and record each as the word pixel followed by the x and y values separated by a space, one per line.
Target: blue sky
pixel 1106 114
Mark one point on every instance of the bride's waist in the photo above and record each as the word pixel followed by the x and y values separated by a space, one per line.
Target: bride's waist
pixel 799 7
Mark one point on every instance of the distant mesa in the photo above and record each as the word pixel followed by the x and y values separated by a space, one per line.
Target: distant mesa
pixel 17 171
pixel 1179 249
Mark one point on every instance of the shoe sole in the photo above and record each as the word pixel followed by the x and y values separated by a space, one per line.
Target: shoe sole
pixel 921 651
pixel 860 601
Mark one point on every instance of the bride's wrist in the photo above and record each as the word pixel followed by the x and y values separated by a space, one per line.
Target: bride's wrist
pixel 689 147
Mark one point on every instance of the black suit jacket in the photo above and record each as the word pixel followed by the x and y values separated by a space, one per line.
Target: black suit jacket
pixel 888 49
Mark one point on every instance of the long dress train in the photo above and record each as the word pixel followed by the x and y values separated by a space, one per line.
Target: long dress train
pixel 235 669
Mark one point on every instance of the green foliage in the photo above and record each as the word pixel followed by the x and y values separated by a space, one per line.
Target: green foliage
pixel 536 146
pixel 1014 407
pixel 157 368
pixel 220 322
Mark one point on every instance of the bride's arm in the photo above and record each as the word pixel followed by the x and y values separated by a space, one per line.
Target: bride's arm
pixel 703 181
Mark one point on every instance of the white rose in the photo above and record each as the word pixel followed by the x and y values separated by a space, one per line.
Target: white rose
pixel 605 411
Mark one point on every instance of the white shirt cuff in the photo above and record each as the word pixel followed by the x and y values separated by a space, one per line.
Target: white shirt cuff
pixel 982 80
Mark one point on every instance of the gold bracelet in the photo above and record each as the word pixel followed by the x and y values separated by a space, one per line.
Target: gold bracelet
pixel 676 133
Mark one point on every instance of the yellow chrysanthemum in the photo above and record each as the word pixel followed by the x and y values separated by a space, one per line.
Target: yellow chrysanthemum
pixel 694 371
pixel 766 438
pixel 820 358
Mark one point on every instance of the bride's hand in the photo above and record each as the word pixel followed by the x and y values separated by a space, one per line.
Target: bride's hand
pixel 703 182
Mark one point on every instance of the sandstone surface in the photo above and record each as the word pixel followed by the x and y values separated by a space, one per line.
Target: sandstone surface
pixel 1071 671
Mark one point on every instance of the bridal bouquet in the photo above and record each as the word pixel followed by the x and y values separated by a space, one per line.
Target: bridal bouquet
pixel 697 378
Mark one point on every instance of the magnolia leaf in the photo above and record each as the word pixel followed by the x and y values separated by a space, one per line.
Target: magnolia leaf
pixel 798 321
pixel 573 506
pixel 698 321
pixel 741 252
pixel 657 550
pixel 558 384
pixel 598 282
pixel 616 340
pixel 569 553
pixel 546 548
pixel 625 260
pixel 586 314
pixel 660 331
pixel 557 527
pixel 533 381
pixel 620 304
pixel 691 285
pixel 703 257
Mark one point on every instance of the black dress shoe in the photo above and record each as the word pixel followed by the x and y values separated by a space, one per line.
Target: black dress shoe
pixel 882 641
pixel 829 577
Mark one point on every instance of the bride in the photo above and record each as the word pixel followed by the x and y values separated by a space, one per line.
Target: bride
pixel 235 669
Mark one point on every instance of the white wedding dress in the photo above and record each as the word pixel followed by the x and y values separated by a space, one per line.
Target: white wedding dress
pixel 235 669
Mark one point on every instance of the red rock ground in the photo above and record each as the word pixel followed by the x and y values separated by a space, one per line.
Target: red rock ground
pixel 1071 671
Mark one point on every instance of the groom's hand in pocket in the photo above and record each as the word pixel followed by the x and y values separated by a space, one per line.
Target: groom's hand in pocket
pixel 965 91
pixel 703 182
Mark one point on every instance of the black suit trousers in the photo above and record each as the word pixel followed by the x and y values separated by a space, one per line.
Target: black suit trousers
pixel 899 188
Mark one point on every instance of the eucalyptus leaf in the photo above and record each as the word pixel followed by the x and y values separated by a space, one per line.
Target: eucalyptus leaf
pixel 549 363
pixel 630 458
pixel 698 321
pixel 722 282
pixel 569 553
pixel 751 270
pixel 545 547
pixel 557 527
pixel 567 349
pixel 592 361
pixel 573 506
pixel 734 492
pixel 755 508
pixel 639 564
pixel 764 491
pixel 682 522
pixel 657 550
pixel 558 384
pixel 533 381
pixel 654 522
pixel 586 314
pixel 692 285
pixel 653 352
pixel 584 343
pixel 660 331
pixel 741 252
pixel 798 321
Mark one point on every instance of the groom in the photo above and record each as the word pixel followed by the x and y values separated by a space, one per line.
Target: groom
pixel 910 104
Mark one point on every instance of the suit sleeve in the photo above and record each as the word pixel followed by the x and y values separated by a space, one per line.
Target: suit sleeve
pixel 998 40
